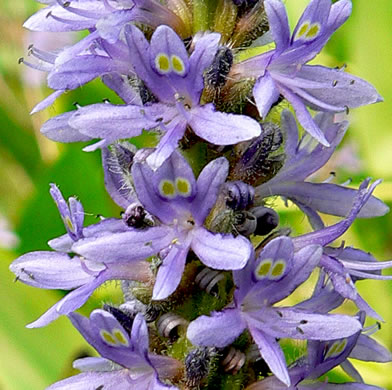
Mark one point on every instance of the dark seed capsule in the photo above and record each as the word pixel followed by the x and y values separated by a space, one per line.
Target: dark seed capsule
pixel 169 325
pixel 239 195
pixel 247 223
pixel 217 73
pixel 267 220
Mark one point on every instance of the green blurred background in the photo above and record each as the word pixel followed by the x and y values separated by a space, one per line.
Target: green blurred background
pixel 33 359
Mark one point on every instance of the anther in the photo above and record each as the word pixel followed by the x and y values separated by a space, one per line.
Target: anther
pixel 299 330
pixel 20 60
pixel 334 83
pixel 347 109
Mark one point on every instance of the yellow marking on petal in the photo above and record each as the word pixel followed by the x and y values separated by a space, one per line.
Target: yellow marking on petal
pixel 108 338
pixel 69 223
pixel 178 65
pixel 278 269
pixel 167 189
pixel 162 63
pixel 302 30
pixel 120 337
pixel 263 269
pixel 313 31
pixel 183 186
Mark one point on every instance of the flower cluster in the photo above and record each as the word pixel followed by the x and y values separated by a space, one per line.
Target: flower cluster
pixel 202 261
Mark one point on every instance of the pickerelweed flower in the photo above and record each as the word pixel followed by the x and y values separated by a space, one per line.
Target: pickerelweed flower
pixel 273 276
pixel 59 270
pixel 305 157
pixel 177 81
pixel 181 205
pixel 126 363
pixel 282 71
pixel 321 357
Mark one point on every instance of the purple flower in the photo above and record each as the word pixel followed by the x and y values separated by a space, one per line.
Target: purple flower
pixel 282 71
pixel 175 79
pixel 180 205
pixel 343 266
pixel 321 357
pixel 125 364
pixel 273 276
pixel 305 157
pixel 58 270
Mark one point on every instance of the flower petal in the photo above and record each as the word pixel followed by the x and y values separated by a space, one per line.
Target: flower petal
pixel 265 93
pixel 279 24
pixel 209 184
pixel 272 353
pixel 126 247
pixel 221 251
pixel 219 330
pixel 111 122
pixel 221 128
pixel 170 272
pixel 95 380
pixel 50 270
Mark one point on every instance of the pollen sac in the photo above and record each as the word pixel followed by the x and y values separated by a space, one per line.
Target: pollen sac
pixel 267 220
pixel 238 195
pixel 270 269
pixel 308 31
pixel 216 74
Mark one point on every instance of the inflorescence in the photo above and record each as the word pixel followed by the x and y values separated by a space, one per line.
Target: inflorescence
pixel 202 260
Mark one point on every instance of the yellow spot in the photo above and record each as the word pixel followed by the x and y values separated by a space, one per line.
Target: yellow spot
pixel 162 63
pixel 119 336
pixel 167 189
pixel 108 338
pixel 183 186
pixel 302 30
pixel 263 269
pixel 278 269
pixel 313 31
pixel 336 348
pixel 69 223
pixel 177 65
